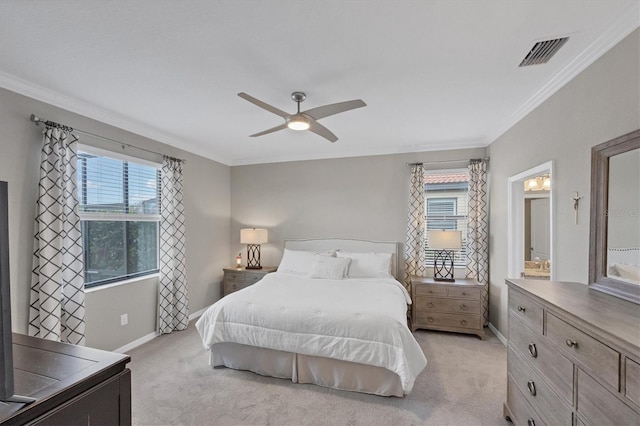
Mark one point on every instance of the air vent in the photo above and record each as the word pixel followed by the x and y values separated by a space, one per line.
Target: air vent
pixel 542 51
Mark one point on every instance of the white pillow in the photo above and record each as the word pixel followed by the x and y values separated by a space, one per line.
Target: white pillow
pixel 331 268
pixel 368 265
pixel 298 261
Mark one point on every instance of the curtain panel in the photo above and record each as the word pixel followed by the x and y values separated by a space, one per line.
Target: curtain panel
pixel 478 231
pixel 414 258
pixel 57 300
pixel 173 301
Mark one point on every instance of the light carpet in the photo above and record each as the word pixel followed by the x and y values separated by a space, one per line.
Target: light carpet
pixel 464 383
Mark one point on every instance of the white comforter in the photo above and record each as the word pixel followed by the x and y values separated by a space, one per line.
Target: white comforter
pixel 358 320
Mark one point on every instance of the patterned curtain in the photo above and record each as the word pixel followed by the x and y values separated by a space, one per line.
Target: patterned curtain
pixel 414 249
pixel 173 302
pixel 57 310
pixel 478 231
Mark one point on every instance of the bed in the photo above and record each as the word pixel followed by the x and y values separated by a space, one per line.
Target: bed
pixel 624 264
pixel 318 321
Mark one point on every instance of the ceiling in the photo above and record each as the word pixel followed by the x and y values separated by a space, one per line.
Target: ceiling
pixel 435 74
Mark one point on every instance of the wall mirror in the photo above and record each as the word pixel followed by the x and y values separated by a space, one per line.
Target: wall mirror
pixel 614 253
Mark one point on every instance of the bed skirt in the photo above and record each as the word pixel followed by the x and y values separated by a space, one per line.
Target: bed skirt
pixel 337 374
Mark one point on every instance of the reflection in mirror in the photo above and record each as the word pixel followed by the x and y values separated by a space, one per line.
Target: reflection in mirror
pixel 530 225
pixel 614 238
pixel 623 217
pixel 537 228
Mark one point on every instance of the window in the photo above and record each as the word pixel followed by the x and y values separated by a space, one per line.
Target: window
pixel 446 207
pixel 119 215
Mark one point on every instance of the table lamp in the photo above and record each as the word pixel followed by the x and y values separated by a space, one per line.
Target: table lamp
pixel 253 237
pixel 444 243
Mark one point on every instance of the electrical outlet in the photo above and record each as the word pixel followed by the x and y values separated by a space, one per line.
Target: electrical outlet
pixel 124 319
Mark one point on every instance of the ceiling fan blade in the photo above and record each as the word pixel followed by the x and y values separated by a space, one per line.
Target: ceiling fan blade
pixel 263 105
pixel 319 129
pixel 327 110
pixel 271 130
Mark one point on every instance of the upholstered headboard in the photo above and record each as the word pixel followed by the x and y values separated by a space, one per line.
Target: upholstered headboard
pixel 360 246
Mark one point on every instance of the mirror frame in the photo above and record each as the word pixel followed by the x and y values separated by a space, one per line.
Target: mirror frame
pixel 598 279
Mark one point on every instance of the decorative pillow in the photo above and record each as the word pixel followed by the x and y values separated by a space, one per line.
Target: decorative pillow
pixel 628 272
pixel 368 265
pixel 330 268
pixel 299 261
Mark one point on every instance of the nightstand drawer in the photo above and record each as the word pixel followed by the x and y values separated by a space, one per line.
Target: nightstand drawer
pixel 464 293
pixel 251 278
pixel 235 277
pixel 447 320
pixel 593 354
pixel 434 304
pixel 430 290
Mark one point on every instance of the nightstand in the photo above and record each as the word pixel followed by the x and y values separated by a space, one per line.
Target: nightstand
pixel 238 278
pixel 447 306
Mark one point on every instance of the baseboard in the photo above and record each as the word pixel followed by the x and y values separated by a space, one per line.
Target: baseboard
pixel 144 339
pixel 197 314
pixel 149 337
pixel 498 334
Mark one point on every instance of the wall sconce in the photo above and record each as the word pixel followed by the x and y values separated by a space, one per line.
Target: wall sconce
pixel 444 242
pixel 253 237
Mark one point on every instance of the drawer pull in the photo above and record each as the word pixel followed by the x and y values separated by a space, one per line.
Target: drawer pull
pixel 464 307
pixel 572 343
pixel 431 305
pixel 430 291
pixel 533 351
pixel 531 422
pixel 430 319
pixel 532 387
pixel 464 293
pixel 463 322
pixel 521 309
pixel 234 286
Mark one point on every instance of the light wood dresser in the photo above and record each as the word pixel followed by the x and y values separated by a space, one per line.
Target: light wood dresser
pixel 573 356
pixel 447 306
pixel 238 278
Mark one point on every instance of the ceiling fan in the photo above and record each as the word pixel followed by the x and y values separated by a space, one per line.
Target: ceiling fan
pixel 305 120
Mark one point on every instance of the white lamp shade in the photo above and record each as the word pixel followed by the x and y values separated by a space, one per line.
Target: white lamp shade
pixel 445 240
pixel 253 236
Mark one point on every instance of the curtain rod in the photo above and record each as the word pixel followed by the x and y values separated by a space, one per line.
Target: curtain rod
pixel 448 161
pixel 37 120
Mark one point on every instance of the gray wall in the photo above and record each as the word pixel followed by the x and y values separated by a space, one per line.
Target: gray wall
pixel 207 209
pixel 362 197
pixel 599 104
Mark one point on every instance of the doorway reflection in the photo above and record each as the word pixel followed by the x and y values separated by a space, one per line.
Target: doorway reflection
pixel 537 228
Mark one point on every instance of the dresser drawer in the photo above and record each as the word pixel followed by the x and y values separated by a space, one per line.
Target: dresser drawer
pixel 598 406
pixel 632 376
pixel 537 392
pixel 448 320
pixel 429 290
pixel 464 293
pixel 526 309
pixel 531 346
pixel 593 354
pixel 520 409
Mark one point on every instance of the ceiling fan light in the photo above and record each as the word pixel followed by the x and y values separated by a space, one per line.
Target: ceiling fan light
pixel 298 123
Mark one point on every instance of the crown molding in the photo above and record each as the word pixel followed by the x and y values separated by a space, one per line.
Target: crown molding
pixel 466 144
pixel 93 112
pixel 620 28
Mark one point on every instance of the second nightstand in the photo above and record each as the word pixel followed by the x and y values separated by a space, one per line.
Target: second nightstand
pixel 447 306
pixel 238 278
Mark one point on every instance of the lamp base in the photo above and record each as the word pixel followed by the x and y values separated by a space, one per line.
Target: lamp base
pixel 443 266
pixel 253 256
